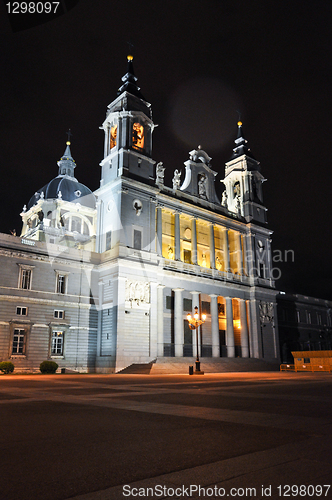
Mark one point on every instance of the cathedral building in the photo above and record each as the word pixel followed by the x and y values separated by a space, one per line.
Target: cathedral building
pixel 98 281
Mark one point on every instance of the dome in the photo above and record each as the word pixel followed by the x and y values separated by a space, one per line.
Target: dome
pixel 66 188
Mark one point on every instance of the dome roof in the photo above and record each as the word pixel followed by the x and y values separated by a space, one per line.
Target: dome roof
pixel 65 186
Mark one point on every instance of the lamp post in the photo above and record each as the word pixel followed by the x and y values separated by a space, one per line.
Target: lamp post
pixel 194 323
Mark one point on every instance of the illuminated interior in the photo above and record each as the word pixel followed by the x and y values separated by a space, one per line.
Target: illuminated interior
pixel 219 242
pixel 236 322
pixel 168 237
pixel 185 239
pixel 233 242
pixel 113 134
pixel 203 244
pixel 222 313
pixel 138 136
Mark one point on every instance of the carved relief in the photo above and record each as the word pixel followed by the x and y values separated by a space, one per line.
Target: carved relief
pixel 266 312
pixel 137 293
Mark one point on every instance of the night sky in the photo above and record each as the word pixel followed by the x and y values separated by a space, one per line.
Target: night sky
pixel 198 64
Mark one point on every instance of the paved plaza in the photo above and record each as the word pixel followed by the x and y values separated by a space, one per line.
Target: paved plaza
pixel 111 437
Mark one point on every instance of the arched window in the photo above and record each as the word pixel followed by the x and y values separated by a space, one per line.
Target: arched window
pixel 113 135
pixel 138 136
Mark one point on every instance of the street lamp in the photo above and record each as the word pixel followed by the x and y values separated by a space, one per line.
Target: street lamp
pixel 194 323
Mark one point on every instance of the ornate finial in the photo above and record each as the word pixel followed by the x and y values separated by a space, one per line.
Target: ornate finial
pixel 69 134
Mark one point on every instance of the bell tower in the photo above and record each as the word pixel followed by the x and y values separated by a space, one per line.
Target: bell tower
pixel 128 131
pixel 243 181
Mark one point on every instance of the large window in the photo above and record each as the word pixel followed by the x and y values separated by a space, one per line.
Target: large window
pixel 113 134
pixel 57 343
pixel 19 340
pixel 25 277
pixel 138 136
pixel 61 283
pixel 203 244
pixel 168 243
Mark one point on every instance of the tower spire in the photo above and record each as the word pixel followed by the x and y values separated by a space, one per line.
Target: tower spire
pixel 67 162
pixel 241 147
pixel 129 80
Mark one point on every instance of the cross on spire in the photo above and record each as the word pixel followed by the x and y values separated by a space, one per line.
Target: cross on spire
pixel 130 46
pixel 69 134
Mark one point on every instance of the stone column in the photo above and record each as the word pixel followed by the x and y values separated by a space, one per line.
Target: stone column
pixel 239 255
pixel 244 329
pixel 195 302
pixel 100 313
pixel 215 326
pixel 226 251
pixel 178 322
pixel 159 248
pixel 229 328
pixel 212 248
pixel 160 320
pixel 153 319
pixel 193 242
pixel 244 253
pixel 177 236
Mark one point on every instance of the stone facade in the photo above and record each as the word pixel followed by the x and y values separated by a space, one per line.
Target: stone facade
pixel 107 278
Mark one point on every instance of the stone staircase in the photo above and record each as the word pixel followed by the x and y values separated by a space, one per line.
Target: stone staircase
pixel 164 366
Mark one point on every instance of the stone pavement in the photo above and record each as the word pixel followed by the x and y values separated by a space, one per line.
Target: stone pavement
pixel 97 437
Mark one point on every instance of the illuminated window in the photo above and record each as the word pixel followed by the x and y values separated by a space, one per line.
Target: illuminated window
pixel 138 136
pixel 21 311
pixel 168 248
pixel 113 134
pixel 219 243
pixel 203 244
pixel 19 339
pixel 233 240
pixel 57 343
pixel 185 239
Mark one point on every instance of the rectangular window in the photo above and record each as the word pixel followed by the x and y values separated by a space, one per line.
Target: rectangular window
pixel 169 302
pixel 137 239
pixel 21 311
pixel 205 307
pixel 25 279
pixel 57 343
pixel 187 256
pixel 108 240
pixel 61 284
pixel 18 341
pixel 187 305
pixel 59 314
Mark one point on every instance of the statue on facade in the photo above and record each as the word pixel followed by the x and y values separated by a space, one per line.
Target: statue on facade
pixel 224 199
pixel 266 312
pixel 202 186
pixel 160 169
pixel 176 180
pixel 238 204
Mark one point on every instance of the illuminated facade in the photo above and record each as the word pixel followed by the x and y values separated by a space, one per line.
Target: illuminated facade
pixel 112 274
